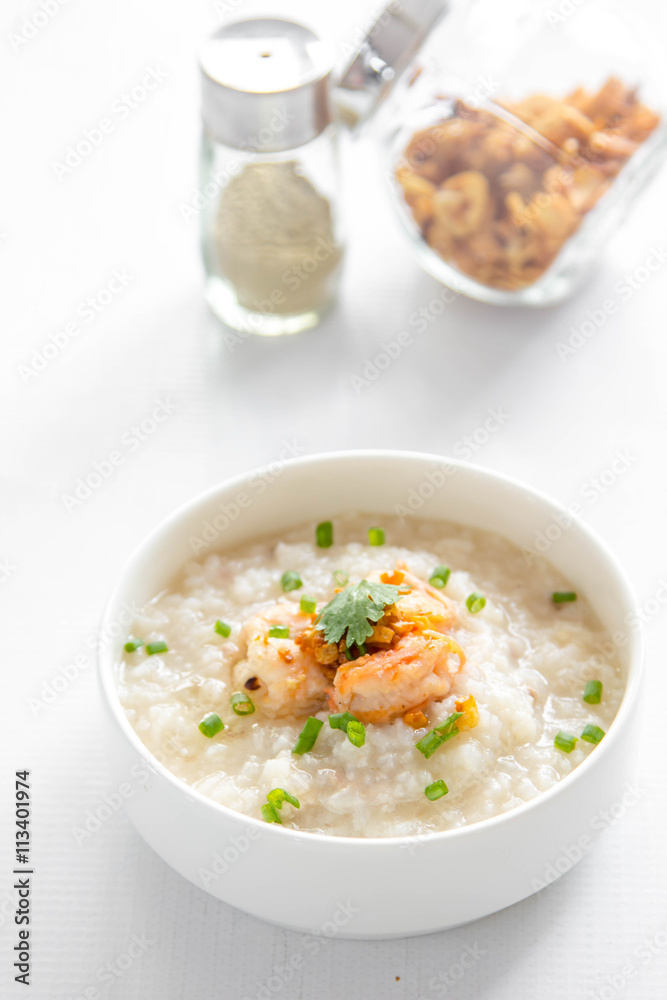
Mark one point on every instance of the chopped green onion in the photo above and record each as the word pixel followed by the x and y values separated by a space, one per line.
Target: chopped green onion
pixel 475 603
pixel 436 790
pixel 278 795
pixel 356 733
pixel 441 734
pixel 448 728
pixel 592 734
pixel 375 536
pixel 349 655
pixel 156 647
pixel 242 704
pixel 279 632
pixel 308 735
pixel 593 692
pixel 341 578
pixel 324 534
pixel 223 629
pixel 563 596
pixel 270 813
pixel 132 645
pixel 347 723
pixel 565 741
pixel 210 725
pixel 362 649
pixel 341 720
pixel 439 576
pixel 290 581
pixel 308 605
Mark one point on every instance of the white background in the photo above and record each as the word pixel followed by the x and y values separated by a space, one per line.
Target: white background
pixel 119 210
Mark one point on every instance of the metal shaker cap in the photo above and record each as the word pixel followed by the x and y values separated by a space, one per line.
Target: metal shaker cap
pixel 383 56
pixel 265 85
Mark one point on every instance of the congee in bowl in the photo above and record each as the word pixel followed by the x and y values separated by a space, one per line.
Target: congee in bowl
pixel 370 677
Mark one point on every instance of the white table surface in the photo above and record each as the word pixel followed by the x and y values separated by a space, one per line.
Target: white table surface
pixel 584 937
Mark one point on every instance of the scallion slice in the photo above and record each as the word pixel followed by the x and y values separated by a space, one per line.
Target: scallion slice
pixel 308 735
pixel 210 725
pixel 341 577
pixel 278 795
pixel 356 733
pixel 290 581
pixel 270 813
pixel 563 596
pixel 436 790
pixel 439 576
pixel 592 734
pixel 324 535
pixel 279 632
pixel 441 734
pixel 340 720
pixel 593 692
pixel 475 602
pixel 308 605
pixel 156 647
pixel 376 536
pixel 223 629
pixel 565 741
pixel 350 725
pixel 132 645
pixel 242 704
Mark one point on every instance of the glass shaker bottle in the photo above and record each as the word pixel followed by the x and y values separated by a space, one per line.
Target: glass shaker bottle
pixel 269 177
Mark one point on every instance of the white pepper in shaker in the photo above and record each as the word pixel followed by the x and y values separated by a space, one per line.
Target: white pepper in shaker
pixel 269 176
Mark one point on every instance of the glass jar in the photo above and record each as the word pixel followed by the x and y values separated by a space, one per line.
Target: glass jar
pixel 519 140
pixel 270 231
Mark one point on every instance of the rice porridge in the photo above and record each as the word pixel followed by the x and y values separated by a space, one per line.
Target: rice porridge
pixel 319 680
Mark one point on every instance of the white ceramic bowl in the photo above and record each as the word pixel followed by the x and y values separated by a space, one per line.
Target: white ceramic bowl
pixel 371 888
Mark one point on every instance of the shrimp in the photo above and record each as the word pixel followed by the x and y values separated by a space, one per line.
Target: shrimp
pixel 288 678
pixel 381 686
pixel 424 606
pixel 419 667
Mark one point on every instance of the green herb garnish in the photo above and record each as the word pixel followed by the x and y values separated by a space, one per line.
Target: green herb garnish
pixel 592 734
pixel 270 813
pixel 242 704
pixel 290 581
pixel 351 612
pixel 278 795
pixel 350 725
pixel 308 605
pixel 157 647
pixel 593 692
pixel 341 577
pixel 439 576
pixel 132 645
pixel 475 603
pixel 565 741
pixel 434 740
pixel 308 735
pixel 341 720
pixel 223 629
pixel 356 733
pixel 210 725
pixel 436 790
pixel 279 632
pixel 563 596
pixel 324 534
pixel 375 536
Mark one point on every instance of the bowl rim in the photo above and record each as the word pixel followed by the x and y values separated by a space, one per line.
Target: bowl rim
pixel 105 662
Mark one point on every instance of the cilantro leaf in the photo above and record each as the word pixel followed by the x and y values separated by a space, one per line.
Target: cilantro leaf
pixel 352 611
